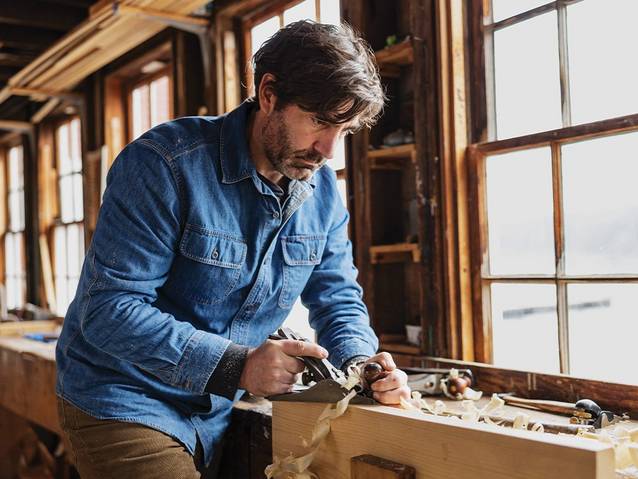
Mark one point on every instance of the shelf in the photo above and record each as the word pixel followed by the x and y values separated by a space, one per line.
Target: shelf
pixel 395 253
pixel 391 59
pixel 401 151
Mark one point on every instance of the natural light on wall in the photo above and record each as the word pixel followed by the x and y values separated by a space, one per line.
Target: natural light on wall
pixel 327 12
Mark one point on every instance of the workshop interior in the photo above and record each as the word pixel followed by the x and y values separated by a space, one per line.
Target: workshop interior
pixel 491 218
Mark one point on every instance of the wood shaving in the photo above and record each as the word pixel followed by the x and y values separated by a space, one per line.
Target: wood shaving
pixel 292 467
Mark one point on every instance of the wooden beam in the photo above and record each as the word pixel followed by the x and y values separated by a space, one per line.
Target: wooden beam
pixel 45 110
pixel 436 447
pixel 32 13
pixel 22 126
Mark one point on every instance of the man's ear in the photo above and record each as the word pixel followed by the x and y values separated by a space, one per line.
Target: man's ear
pixel 266 94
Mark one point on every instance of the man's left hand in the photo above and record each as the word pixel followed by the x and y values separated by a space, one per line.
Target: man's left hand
pixel 393 386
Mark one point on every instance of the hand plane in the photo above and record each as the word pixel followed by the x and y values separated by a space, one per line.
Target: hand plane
pixel 323 382
pixel 429 380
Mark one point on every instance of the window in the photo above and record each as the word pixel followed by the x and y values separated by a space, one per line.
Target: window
pixel 258 31
pixel 149 104
pixel 68 233
pixel 557 217
pixel 14 240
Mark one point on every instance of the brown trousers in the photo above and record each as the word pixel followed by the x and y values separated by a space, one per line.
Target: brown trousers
pixel 108 449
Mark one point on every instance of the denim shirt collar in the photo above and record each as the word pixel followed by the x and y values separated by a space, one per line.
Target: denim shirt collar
pixel 234 151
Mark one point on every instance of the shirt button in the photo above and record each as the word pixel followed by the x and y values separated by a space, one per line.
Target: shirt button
pixel 313 256
pixel 275 215
pixel 215 254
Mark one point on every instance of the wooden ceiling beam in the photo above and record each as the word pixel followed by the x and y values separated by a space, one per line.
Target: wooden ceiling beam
pixel 31 13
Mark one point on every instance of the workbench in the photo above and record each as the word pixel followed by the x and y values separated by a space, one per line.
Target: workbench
pixel 27 389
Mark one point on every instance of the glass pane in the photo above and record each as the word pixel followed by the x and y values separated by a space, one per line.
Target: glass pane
pixel 502 9
pixel 527 77
pixel 21 211
pixel 520 212
pixel 10 255
pixel 260 33
pixel 600 205
pixel 15 168
pixel 60 251
pixel 602 75
pixel 12 293
pixel 76 146
pixel 159 101
pixel 64 152
pixel 303 11
pixel 19 252
pixel 140 110
pixel 73 245
pixel 339 160
pixel 78 207
pixel 66 199
pixel 525 327
pixel 603 331
pixel 15 213
pixel 330 11
pixel 61 295
pixel 343 192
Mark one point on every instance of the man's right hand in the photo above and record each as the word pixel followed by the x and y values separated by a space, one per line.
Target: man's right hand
pixel 272 367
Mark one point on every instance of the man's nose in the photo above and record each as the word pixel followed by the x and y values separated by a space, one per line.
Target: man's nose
pixel 326 145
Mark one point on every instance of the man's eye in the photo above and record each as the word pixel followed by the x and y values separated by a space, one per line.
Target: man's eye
pixel 318 122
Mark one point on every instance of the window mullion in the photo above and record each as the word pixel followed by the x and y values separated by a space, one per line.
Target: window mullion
pixel 559 252
pixel 490 75
pixel 563 61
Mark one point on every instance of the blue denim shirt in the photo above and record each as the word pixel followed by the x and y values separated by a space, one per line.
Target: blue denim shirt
pixel 193 251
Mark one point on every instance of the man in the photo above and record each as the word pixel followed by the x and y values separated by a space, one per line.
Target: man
pixel 210 229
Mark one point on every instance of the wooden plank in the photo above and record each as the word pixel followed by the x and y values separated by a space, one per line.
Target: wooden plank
pixel 368 466
pixel 437 447
pixel 395 252
pixel 400 151
pixel 400 54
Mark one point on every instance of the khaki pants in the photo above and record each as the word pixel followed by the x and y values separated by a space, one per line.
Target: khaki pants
pixel 108 449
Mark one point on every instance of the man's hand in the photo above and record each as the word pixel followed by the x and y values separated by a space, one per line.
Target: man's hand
pixel 272 368
pixel 393 386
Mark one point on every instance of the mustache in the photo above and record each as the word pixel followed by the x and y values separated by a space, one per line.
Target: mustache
pixel 310 156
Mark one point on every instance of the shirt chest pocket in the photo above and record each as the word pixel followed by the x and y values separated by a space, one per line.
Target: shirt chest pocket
pixel 211 264
pixel 301 254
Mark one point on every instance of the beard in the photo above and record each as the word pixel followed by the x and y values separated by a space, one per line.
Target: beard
pixel 293 164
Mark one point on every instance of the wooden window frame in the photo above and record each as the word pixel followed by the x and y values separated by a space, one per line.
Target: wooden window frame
pixel 57 220
pixel 15 143
pixel 490 379
pixel 139 81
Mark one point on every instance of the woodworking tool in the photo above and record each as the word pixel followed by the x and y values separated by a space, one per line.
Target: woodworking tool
pixel 323 382
pixel 428 380
pixel 583 412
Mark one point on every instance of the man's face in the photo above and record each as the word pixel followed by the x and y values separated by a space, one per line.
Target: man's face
pixel 297 143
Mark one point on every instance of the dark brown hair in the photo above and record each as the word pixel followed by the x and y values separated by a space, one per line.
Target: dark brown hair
pixel 324 69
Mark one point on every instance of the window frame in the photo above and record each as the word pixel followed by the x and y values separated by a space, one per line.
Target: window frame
pixel 483 144
pixel 57 222
pixel 7 230
pixel 138 81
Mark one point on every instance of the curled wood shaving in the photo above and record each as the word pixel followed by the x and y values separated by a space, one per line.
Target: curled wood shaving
pixel 292 467
pixel 521 421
